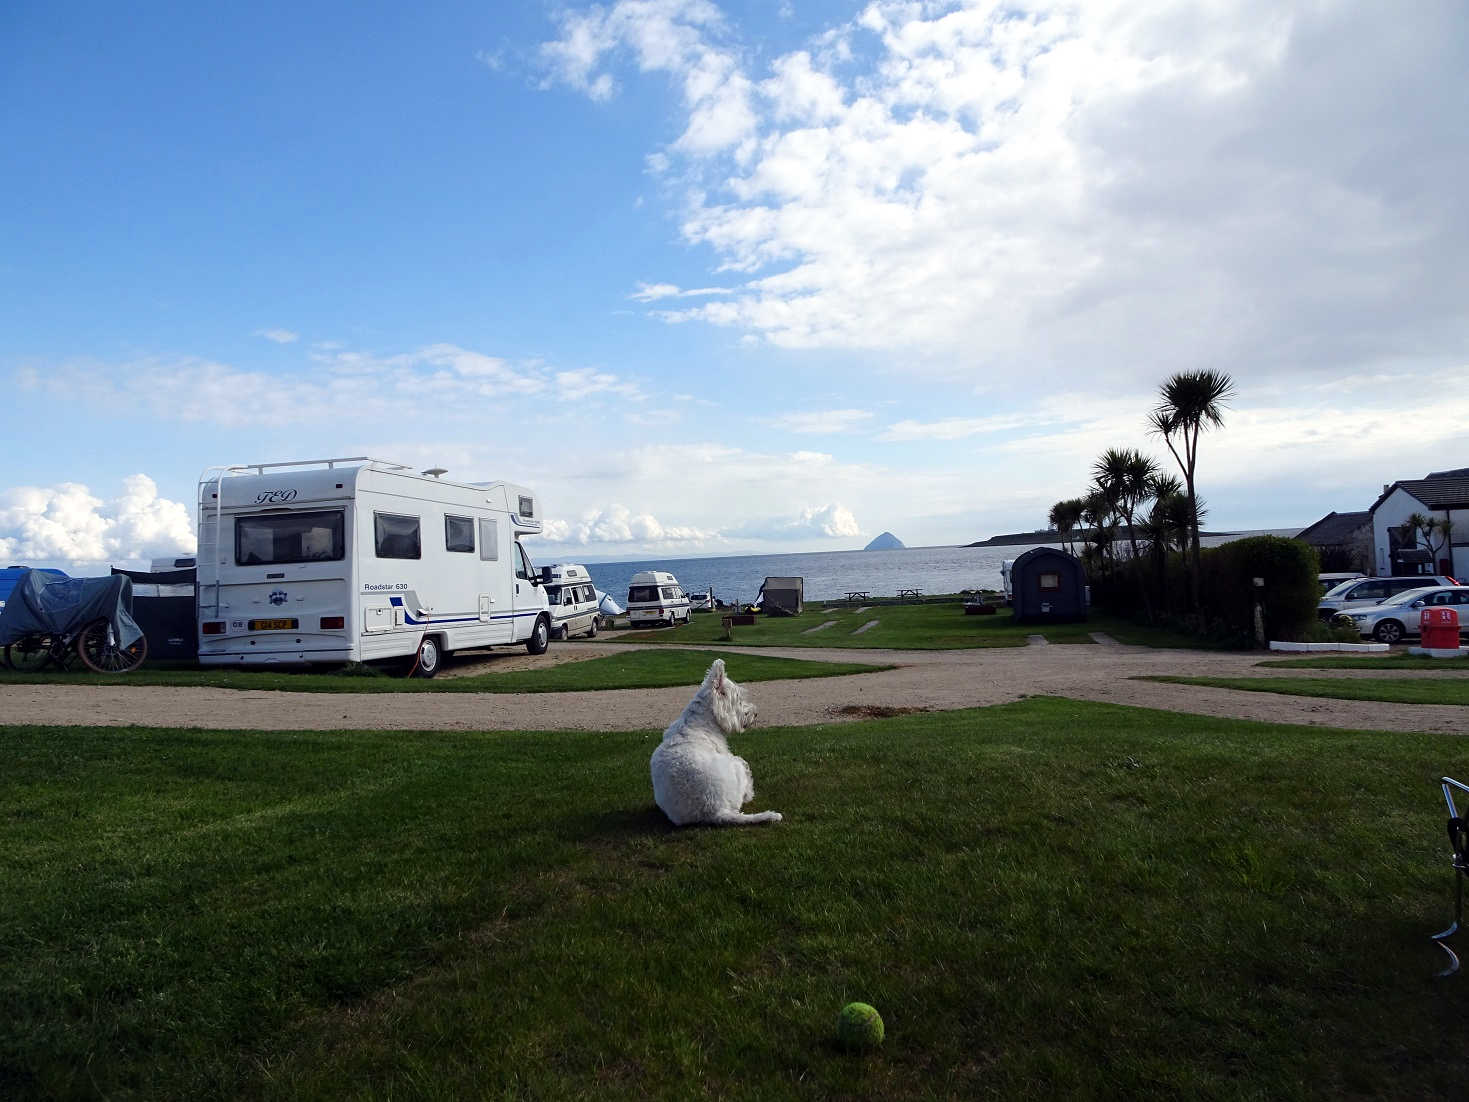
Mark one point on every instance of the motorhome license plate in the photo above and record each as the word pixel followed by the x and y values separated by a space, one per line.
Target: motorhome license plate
pixel 272 625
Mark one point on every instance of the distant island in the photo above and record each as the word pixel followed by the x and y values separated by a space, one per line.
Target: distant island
pixel 1044 535
pixel 885 542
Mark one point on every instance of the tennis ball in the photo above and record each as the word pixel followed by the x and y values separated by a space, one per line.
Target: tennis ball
pixel 859 1026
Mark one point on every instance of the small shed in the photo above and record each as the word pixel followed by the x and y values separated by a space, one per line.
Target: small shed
pixel 783 596
pixel 1048 585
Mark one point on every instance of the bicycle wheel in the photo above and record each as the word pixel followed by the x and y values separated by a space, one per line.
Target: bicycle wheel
pixel 98 648
pixel 30 654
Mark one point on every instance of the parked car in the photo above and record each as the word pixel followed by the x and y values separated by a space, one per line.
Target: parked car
pixel 1399 617
pixel 1330 581
pixel 1373 591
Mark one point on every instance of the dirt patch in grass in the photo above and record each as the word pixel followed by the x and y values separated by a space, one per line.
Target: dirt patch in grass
pixel 873 711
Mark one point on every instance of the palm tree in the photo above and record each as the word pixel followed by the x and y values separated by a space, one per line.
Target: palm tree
pixel 1127 474
pixel 1421 526
pixel 1190 402
pixel 1063 519
pixel 1099 512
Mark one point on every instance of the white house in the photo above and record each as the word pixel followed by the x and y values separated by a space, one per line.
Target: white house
pixel 1443 495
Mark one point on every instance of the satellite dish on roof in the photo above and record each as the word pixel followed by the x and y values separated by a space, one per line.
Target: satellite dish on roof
pixel 436 471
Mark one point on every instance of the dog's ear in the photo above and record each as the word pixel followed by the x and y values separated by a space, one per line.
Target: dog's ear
pixel 715 677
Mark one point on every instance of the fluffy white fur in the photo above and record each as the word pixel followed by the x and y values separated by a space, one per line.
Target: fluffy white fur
pixel 695 777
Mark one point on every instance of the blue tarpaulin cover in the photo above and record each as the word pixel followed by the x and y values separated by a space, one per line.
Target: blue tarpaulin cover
pixel 44 604
pixel 12 574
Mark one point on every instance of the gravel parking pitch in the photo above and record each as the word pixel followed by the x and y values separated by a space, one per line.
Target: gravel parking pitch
pixel 923 680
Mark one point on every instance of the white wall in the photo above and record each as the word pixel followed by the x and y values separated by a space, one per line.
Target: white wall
pixel 1392 513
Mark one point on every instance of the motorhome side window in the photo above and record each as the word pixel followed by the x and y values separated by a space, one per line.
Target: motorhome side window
pixel 670 593
pixel 458 534
pixel 489 541
pixel 396 536
pixel 273 538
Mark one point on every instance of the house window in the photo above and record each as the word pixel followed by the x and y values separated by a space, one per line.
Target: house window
pixel 396 536
pixel 458 534
pixel 1050 581
pixel 489 542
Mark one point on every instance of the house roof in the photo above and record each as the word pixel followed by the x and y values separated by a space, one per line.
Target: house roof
pixel 1334 528
pixel 1458 472
pixel 1436 493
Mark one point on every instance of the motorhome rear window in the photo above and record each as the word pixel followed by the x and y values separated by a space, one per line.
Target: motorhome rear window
pixel 271 538
pixel 639 593
pixel 396 536
pixel 458 534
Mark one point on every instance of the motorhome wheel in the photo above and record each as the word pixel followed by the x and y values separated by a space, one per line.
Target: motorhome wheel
pixel 592 630
pixel 430 658
pixel 540 637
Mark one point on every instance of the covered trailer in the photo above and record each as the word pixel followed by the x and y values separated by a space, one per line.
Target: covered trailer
pixel 782 596
pixel 1048 585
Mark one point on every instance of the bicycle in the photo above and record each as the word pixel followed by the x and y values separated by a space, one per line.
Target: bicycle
pixel 95 644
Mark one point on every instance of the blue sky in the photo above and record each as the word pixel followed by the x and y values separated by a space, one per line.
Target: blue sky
pixel 717 277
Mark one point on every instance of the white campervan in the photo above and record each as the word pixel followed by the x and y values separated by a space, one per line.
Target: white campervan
pixel 358 559
pixel 572 598
pixel 655 597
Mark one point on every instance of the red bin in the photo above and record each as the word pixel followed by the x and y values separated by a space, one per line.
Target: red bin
pixel 1440 627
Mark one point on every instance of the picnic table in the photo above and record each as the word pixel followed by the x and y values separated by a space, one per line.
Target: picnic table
pixel 909 594
pixel 857 595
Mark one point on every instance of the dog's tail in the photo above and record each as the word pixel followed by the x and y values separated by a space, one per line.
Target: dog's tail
pixel 726 817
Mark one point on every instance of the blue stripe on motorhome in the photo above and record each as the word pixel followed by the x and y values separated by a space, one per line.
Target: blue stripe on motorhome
pixel 433 621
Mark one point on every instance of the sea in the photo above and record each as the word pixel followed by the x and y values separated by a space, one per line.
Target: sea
pixel 830 575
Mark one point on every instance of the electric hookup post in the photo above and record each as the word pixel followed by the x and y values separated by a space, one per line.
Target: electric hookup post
pixel 1259 612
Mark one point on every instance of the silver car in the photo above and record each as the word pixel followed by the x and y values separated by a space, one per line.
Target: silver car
pixel 1400 616
pixel 1372 591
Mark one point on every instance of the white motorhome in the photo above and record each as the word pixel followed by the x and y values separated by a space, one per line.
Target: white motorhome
pixel 655 597
pixel 572 598
pixel 359 559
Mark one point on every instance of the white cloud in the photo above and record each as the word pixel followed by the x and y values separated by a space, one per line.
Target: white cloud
pixel 279 336
pixel 652 292
pixel 442 381
pixel 831 521
pixel 617 524
pixel 1082 192
pixel 68 525
pixel 824 422
pixel 585 381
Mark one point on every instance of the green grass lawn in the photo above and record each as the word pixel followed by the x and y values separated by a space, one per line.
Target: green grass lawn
pixel 633 669
pixel 1418 690
pixel 1371 662
pixel 932 626
pixel 1052 898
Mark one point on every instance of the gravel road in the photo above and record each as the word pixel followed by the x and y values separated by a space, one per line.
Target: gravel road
pixel 923 680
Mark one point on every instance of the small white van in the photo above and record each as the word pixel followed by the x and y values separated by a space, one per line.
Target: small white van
pixel 572 599
pixel 655 597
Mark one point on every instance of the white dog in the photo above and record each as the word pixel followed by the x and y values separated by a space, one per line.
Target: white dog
pixel 695 777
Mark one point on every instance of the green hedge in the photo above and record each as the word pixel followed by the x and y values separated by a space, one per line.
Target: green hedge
pixel 1289 596
pixel 1226 590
